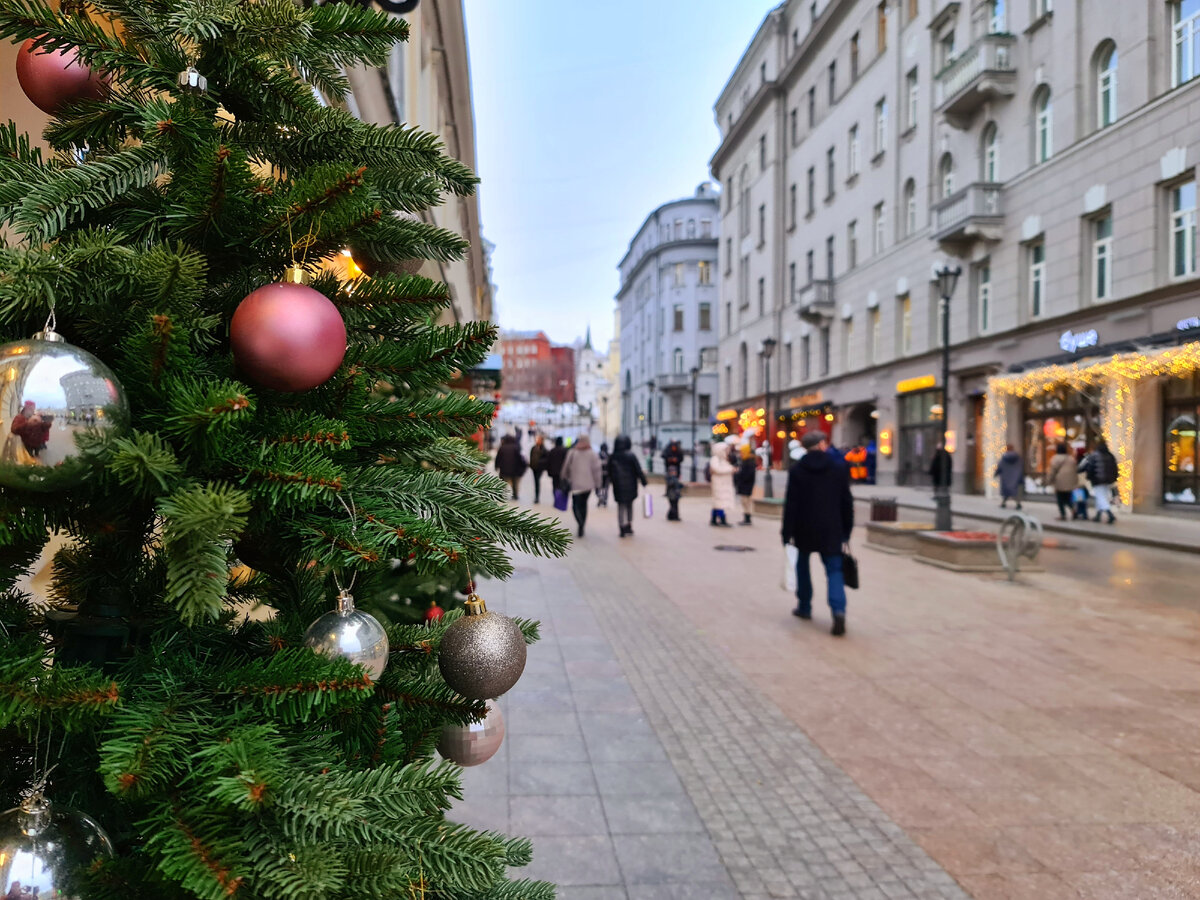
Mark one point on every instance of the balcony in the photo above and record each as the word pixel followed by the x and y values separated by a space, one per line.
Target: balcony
pixel 974 213
pixel 984 72
pixel 673 381
pixel 815 301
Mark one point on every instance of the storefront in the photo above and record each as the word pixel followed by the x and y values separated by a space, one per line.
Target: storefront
pixel 1181 465
pixel 920 422
pixel 1061 415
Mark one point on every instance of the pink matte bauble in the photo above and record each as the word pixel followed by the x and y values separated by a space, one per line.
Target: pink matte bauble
pixel 287 337
pixel 51 78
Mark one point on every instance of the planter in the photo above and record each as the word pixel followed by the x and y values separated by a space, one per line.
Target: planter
pixel 961 551
pixel 896 537
pixel 771 509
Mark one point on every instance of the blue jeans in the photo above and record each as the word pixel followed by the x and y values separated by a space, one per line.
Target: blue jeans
pixel 837 585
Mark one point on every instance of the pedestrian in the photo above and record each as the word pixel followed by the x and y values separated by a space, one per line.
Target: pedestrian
pixel 1062 476
pixel 1100 467
pixel 941 468
pixel 743 482
pixel 537 465
pixel 581 474
pixel 602 493
pixel 510 463
pixel 625 473
pixel 672 466
pixel 1080 496
pixel 554 462
pixel 1011 473
pixel 818 515
pixel 721 470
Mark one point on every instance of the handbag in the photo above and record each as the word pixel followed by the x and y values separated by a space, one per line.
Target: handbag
pixel 791 555
pixel 648 509
pixel 849 569
pixel 560 500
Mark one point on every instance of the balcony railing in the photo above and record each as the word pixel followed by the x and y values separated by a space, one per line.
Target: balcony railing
pixel 975 212
pixel 673 381
pixel 816 293
pixel 985 71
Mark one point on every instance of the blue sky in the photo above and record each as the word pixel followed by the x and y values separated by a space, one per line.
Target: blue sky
pixel 587 117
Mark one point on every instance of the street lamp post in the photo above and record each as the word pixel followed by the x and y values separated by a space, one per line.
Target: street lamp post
pixel 947 281
pixel 650 413
pixel 695 375
pixel 768 349
pixel 604 417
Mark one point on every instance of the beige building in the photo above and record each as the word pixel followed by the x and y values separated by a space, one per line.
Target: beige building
pixel 1048 150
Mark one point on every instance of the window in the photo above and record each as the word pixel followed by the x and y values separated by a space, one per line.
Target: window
pixel 706 317
pixel 677 399
pixel 829 257
pixel 729 380
pixel 1181 403
pixel 792 206
pixel 795 38
pixel 677 361
pixel 794 125
pixel 762 73
pixel 791 282
pixel 1102 257
pixel 744 283
pixel 847 343
pixel 691 232
pixel 852 152
pixel 812 106
pixel 905 320
pixel 880 126
pixel 910 208
pixel 854 56
pixel 1041 7
pixel 876 338
pixel 1043 123
pixel 852 245
pixel 706 228
pixel 812 189
pixel 829 173
pixel 677 317
pixel 762 224
pixel 945 49
pixel 997 17
pixel 946 175
pixel 704 272
pixel 912 93
pixel 824 334
pixel 704 402
pixel 990 153
pixel 1037 279
pixel 877 221
pixel 744 211
pixel 728 255
pixel 1183 230
pixel 762 153
pixel 1185 41
pixel 808 263
pixel 833 82
pixel 743 371
pixel 679 229
pixel 729 196
pixel 805 358
pixel 788 374
pixel 812 15
pixel 762 296
pixel 984 299
pixel 881 26
pixel 1106 86
pixel 728 328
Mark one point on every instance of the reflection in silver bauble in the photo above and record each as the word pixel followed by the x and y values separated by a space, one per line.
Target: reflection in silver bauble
pixel 352 634
pixel 482 654
pixel 52 395
pixel 470 745
pixel 47 848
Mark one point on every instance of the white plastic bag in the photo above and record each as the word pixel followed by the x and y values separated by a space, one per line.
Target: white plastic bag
pixel 648 509
pixel 791 557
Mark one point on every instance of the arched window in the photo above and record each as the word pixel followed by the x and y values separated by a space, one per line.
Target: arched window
pixel 989 152
pixel 946 175
pixel 910 208
pixel 1106 84
pixel 677 361
pixel 1043 125
pixel 743 371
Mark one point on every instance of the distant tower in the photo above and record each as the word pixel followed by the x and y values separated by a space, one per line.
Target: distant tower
pixel 589 376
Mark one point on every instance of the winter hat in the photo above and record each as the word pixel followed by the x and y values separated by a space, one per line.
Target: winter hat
pixel 812 438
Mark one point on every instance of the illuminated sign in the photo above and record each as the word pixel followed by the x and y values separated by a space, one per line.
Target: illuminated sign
pixel 1072 342
pixel 805 400
pixel 908 385
pixel 1188 324
pixel 951 441
pixel 885 442
pixel 726 414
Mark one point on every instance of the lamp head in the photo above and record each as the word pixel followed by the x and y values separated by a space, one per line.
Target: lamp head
pixel 768 347
pixel 947 277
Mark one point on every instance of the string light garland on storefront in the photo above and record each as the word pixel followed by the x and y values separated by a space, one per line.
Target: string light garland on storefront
pixel 1116 376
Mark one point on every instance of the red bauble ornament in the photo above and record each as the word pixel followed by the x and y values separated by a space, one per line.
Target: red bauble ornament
pixel 434 613
pixel 287 337
pixel 51 78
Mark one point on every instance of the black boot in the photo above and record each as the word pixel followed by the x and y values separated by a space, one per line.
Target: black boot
pixel 745 519
pixel 839 626
pixel 1111 517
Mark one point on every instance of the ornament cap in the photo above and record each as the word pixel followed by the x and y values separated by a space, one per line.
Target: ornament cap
pixel 475 605
pixel 192 82
pixel 345 603
pixel 296 274
pixel 50 335
pixel 34 814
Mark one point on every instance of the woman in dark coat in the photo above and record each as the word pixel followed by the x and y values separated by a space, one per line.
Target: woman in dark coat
pixel 743 481
pixel 1011 473
pixel 624 474
pixel 554 463
pixel 510 463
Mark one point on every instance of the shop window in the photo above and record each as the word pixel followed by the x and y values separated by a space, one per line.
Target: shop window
pixel 1183 230
pixel 920 428
pixel 1061 415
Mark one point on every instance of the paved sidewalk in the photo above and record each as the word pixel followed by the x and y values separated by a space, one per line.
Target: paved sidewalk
pixel 1168 532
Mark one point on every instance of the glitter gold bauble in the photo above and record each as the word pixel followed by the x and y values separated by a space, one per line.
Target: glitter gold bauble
pixel 476 743
pixel 482 654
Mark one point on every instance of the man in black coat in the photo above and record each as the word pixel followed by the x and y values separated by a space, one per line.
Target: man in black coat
pixel 941 467
pixel 818 514
pixel 554 462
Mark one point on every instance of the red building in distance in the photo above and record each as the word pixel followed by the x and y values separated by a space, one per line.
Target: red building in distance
pixel 533 367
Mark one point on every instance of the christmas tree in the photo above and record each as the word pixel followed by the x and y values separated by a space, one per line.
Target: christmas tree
pixel 216 411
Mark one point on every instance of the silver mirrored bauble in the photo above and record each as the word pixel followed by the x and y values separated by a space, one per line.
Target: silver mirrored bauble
pixel 352 634
pixel 46 848
pixel 470 745
pixel 482 654
pixel 55 401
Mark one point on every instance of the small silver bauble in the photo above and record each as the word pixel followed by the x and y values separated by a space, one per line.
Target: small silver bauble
pixel 351 634
pixel 470 745
pixel 45 849
pixel 52 394
pixel 192 82
pixel 482 654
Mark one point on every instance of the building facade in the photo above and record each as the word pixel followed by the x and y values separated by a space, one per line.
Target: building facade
pixel 1045 150
pixel 667 304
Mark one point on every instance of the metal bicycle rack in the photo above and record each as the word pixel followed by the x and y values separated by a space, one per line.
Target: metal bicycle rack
pixel 1019 536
